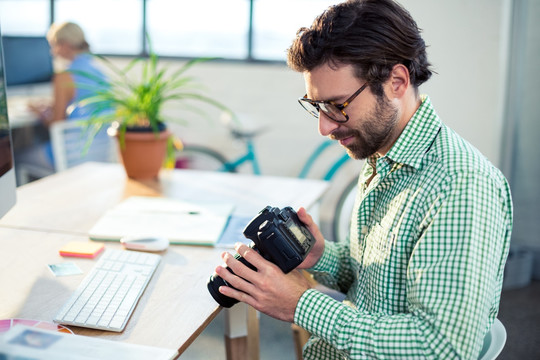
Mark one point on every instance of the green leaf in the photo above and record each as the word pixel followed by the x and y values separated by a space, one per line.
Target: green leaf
pixel 133 98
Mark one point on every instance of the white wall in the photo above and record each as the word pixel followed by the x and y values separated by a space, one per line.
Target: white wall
pixel 523 128
pixel 263 96
pixel 468 46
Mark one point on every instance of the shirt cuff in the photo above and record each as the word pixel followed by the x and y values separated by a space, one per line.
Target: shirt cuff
pixel 321 314
pixel 334 321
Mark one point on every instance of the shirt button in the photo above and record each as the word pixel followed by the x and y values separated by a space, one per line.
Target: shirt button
pixel 368 171
pixel 364 230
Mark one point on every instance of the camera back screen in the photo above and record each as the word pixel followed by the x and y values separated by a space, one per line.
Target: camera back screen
pixel 297 232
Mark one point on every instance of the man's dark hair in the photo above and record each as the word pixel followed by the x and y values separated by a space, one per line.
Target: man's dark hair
pixel 371 35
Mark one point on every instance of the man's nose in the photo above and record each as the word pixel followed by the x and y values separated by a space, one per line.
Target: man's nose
pixel 326 125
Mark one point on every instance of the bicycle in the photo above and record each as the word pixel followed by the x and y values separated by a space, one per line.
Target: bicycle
pixel 202 157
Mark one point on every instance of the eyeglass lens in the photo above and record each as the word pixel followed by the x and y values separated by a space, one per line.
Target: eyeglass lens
pixel 329 110
pixel 333 112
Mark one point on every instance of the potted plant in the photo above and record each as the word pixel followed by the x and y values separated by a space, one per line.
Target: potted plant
pixel 131 109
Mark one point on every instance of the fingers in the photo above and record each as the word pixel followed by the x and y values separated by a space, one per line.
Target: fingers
pixel 310 224
pixel 239 286
pixel 243 274
pixel 318 249
pixel 304 216
pixel 241 283
pixel 251 256
pixel 239 265
pixel 245 277
pixel 236 294
pixel 237 278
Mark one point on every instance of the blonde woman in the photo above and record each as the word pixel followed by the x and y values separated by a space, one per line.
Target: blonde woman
pixel 71 54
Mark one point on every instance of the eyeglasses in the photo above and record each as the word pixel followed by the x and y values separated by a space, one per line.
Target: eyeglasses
pixel 329 108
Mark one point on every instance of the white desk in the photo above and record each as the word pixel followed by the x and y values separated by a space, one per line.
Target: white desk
pixel 19 114
pixel 177 306
pixel 74 200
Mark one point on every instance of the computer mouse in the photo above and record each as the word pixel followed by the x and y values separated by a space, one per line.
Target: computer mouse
pixel 145 243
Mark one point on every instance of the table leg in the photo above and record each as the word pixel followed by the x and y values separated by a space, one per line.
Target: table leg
pixel 242 333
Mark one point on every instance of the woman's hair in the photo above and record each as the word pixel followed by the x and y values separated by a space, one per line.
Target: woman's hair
pixel 371 35
pixel 69 33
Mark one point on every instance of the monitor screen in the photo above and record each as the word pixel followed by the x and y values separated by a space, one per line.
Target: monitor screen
pixel 27 60
pixel 7 170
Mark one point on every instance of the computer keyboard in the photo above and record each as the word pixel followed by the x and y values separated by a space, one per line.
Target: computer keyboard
pixel 109 293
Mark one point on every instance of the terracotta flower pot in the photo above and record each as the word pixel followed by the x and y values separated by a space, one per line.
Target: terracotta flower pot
pixel 144 153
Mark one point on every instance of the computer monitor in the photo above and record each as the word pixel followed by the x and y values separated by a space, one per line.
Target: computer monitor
pixel 27 60
pixel 7 168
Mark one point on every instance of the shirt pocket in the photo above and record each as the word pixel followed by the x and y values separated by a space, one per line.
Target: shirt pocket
pixel 378 244
pixel 375 273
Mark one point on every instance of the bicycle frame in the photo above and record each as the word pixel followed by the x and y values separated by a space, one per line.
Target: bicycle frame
pixel 248 156
pixel 251 157
pixel 314 156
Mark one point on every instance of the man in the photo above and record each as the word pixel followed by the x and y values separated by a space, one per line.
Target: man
pixel 423 265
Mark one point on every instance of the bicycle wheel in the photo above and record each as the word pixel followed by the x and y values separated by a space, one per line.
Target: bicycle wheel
pixel 201 158
pixel 344 207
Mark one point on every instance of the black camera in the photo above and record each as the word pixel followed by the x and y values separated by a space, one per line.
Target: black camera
pixel 279 236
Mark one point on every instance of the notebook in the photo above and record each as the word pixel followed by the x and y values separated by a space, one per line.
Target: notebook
pixel 179 221
pixel 234 232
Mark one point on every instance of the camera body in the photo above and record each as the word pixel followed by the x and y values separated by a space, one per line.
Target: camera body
pixel 279 236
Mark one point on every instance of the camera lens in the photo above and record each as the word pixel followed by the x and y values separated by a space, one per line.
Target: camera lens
pixel 216 281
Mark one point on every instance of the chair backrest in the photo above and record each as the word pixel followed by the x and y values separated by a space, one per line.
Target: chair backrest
pixel 494 341
pixel 68 141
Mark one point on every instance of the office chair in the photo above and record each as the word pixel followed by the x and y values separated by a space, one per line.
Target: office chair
pixel 494 341
pixel 68 141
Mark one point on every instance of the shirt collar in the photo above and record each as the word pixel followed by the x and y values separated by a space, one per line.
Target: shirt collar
pixel 417 136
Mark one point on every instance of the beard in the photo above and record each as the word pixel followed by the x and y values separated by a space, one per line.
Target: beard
pixel 374 131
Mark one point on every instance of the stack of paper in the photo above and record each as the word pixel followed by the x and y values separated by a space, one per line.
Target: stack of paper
pixel 179 221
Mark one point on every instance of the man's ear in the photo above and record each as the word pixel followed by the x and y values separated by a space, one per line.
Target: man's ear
pixel 399 80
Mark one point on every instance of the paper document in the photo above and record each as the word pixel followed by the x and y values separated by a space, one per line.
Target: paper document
pixel 179 221
pixel 234 232
pixel 25 342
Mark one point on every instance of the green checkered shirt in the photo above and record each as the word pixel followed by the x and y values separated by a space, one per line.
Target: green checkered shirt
pixel 423 269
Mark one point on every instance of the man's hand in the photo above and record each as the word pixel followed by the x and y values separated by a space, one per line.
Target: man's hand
pixel 268 289
pixel 318 249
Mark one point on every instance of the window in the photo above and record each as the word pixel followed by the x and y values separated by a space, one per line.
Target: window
pixel 110 26
pixel 275 23
pixel 25 18
pixel 232 29
pixel 199 28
